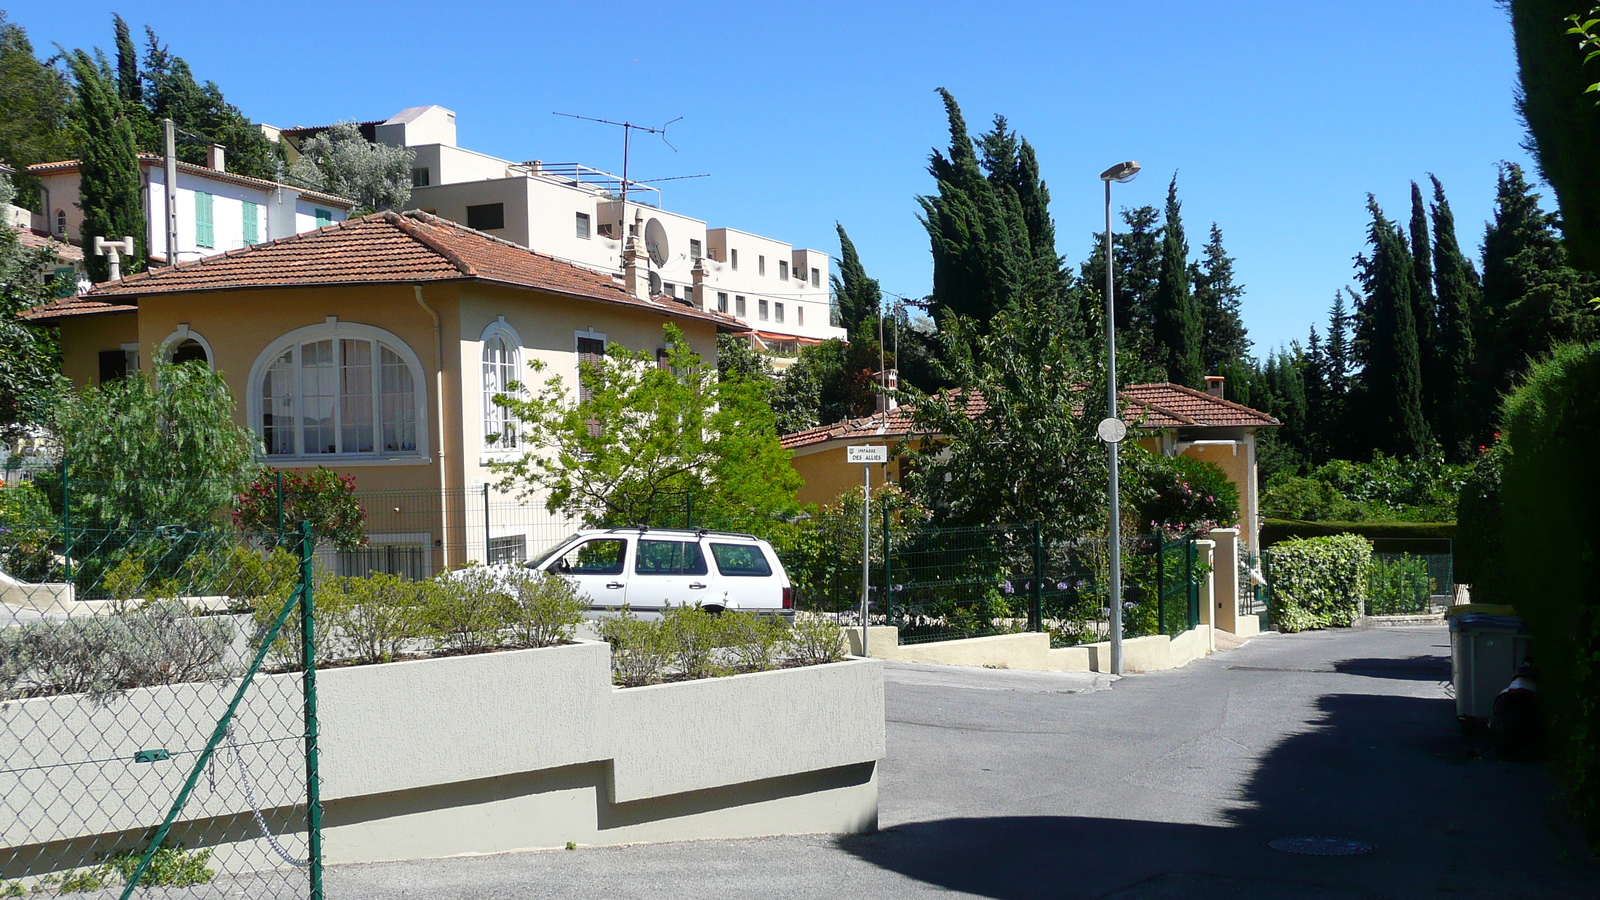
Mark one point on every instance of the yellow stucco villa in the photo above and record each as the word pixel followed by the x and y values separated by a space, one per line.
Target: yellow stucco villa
pixel 1165 418
pixel 373 347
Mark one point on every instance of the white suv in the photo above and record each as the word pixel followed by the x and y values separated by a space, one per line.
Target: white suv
pixel 647 569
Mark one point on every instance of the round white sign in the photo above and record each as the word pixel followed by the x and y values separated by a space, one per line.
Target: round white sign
pixel 1112 430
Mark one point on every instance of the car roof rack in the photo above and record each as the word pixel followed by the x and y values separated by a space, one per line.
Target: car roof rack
pixel 696 531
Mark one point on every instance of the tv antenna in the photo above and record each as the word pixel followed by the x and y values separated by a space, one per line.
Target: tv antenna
pixel 628 128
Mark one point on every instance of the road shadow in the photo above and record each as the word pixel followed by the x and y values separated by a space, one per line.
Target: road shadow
pixel 1414 668
pixel 1388 770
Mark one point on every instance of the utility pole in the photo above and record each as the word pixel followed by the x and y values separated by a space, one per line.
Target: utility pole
pixel 169 174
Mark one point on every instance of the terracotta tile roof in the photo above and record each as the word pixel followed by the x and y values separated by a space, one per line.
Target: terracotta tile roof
pixel 1174 406
pixel 1149 406
pixel 153 160
pixel 34 239
pixel 387 248
pixel 72 307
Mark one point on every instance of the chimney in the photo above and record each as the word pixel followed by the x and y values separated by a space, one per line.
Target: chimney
pixel 216 158
pixel 1214 385
pixel 890 380
pixel 697 297
pixel 635 275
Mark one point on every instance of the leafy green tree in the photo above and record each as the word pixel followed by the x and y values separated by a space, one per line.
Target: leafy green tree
pixel 340 161
pixel 1029 453
pixel 34 100
pixel 29 357
pixel 642 436
pixel 830 382
pixel 1224 338
pixel 1386 343
pixel 1563 122
pixel 1456 292
pixel 108 169
pixel 1177 320
pixel 156 448
pixel 858 297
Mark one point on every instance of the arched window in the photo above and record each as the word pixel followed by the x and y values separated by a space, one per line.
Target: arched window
pixel 501 358
pixel 339 389
pixel 61 223
pixel 183 345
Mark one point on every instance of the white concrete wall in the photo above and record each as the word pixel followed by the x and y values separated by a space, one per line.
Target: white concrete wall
pixel 484 753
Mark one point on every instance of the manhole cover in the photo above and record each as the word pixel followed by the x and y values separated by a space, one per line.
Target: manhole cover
pixel 1321 846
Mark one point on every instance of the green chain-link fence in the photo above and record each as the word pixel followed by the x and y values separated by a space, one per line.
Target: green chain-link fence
pixel 146 737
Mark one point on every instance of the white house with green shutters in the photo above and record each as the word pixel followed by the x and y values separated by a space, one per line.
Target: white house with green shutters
pixel 217 210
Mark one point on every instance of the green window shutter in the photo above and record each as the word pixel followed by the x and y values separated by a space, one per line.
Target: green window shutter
pixel 324 218
pixel 252 213
pixel 205 234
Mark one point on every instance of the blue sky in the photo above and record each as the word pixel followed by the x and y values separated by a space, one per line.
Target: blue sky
pixel 1278 117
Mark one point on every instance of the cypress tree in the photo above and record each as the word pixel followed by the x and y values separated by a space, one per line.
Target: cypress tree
pixel 858 296
pixel 108 165
pixel 129 89
pixel 1218 297
pixel 1532 300
pixel 1136 253
pixel 1422 301
pixel 1386 343
pixel 1563 121
pixel 1177 321
pixel 1456 292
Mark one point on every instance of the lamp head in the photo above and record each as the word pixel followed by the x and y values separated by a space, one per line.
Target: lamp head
pixel 1122 172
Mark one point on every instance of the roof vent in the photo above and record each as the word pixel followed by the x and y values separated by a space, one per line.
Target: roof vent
pixel 1214 385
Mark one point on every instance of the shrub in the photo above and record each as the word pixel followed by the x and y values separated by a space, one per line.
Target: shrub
pixel 28 532
pixel 1549 491
pixel 752 641
pixel 813 639
pixel 169 866
pixel 322 497
pixel 465 611
pixel 1480 553
pixel 693 637
pixel 639 650
pixel 158 644
pixel 1318 582
pixel 1398 585
pixel 1179 495
pixel 543 609
pixel 368 619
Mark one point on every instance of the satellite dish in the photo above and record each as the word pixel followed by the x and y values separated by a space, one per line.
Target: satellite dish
pixel 655 284
pixel 655 241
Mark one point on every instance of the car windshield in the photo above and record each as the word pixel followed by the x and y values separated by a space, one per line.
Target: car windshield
pixel 554 549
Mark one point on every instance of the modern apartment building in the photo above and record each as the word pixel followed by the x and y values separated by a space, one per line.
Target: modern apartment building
pixel 579 214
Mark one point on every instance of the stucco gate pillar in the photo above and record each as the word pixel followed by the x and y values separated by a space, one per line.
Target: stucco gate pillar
pixel 1225 580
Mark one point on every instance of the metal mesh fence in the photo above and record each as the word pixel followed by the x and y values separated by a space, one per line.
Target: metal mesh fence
pixel 143 744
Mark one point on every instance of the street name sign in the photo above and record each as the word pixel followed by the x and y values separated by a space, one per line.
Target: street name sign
pixel 866 453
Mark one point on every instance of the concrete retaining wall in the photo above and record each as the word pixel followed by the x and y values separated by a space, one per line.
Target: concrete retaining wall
pixel 1032 651
pixel 477 754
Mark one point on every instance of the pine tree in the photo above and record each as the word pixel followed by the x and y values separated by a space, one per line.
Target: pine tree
pixel 1338 343
pixel 1456 291
pixel 1422 302
pixel 859 297
pixel 1386 344
pixel 1177 321
pixel 171 92
pixel 1218 297
pixel 34 125
pixel 109 165
pixel 1563 121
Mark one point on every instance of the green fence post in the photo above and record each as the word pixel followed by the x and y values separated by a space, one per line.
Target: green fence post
pixel 1191 553
pixel 488 557
pixel 280 508
pixel 1035 609
pixel 308 657
pixel 1161 585
pixel 66 519
pixel 888 581
pixel 688 510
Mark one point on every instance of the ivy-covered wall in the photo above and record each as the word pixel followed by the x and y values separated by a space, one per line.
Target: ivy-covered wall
pixel 1319 582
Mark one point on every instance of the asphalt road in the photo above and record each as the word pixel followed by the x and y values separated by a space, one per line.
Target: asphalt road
pixel 1015 785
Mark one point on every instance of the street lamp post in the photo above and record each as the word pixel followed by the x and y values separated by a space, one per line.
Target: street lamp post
pixel 1121 173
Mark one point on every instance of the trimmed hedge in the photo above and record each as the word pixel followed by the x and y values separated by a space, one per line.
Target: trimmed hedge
pixel 1480 541
pixel 1319 582
pixel 1549 493
pixel 1275 530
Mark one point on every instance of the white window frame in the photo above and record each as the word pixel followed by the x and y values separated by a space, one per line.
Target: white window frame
pixel 335 330
pixel 502 331
pixel 583 224
pixel 172 341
